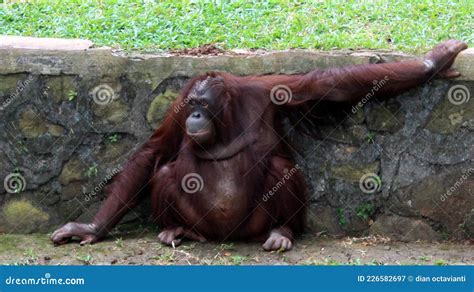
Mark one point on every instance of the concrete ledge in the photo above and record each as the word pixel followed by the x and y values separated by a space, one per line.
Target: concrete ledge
pixel 465 64
pixel 52 56
pixel 30 43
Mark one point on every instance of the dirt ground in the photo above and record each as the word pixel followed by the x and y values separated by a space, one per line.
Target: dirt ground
pixel 144 249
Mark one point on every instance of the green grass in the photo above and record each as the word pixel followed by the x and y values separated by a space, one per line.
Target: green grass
pixel 410 26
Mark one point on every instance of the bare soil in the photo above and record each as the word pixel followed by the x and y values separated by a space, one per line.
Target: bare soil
pixel 144 249
pixel 205 50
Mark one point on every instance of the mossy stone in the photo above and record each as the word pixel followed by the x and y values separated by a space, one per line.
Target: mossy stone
pixel 59 87
pixel 447 118
pixel 115 112
pixel 9 83
pixel 386 117
pixel 31 124
pixel 55 130
pixel 73 170
pixel 159 106
pixel 353 173
pixel 22 217
pixel 358 117
pixel 325 221
pixel 403 229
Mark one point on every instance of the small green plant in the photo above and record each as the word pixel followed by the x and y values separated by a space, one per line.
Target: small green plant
pixel 119 242
pixel 188 246
pixel 31 255
pixel 92 171
pixel 355 262
pixel 71 95
pixel 370 138
pixel 341 216
pixel 86 259
pixel 424 258
pixel 21 147
pixel 365 210
pixel 113 138
pixel 332 262
pixel 444 234
pixel 227 246
pixel 167 256
pixel 440 262
pixel 237 259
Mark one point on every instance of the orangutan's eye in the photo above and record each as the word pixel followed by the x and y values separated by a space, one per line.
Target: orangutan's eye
pixel 204 104
pixel 192 102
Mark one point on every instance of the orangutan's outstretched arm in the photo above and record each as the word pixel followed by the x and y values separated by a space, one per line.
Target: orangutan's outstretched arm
pixel 351 84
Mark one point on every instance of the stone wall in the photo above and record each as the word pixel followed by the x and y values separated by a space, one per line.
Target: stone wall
pixel 402 167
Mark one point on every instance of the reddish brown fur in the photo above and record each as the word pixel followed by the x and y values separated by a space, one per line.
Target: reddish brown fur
pixel 232 204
